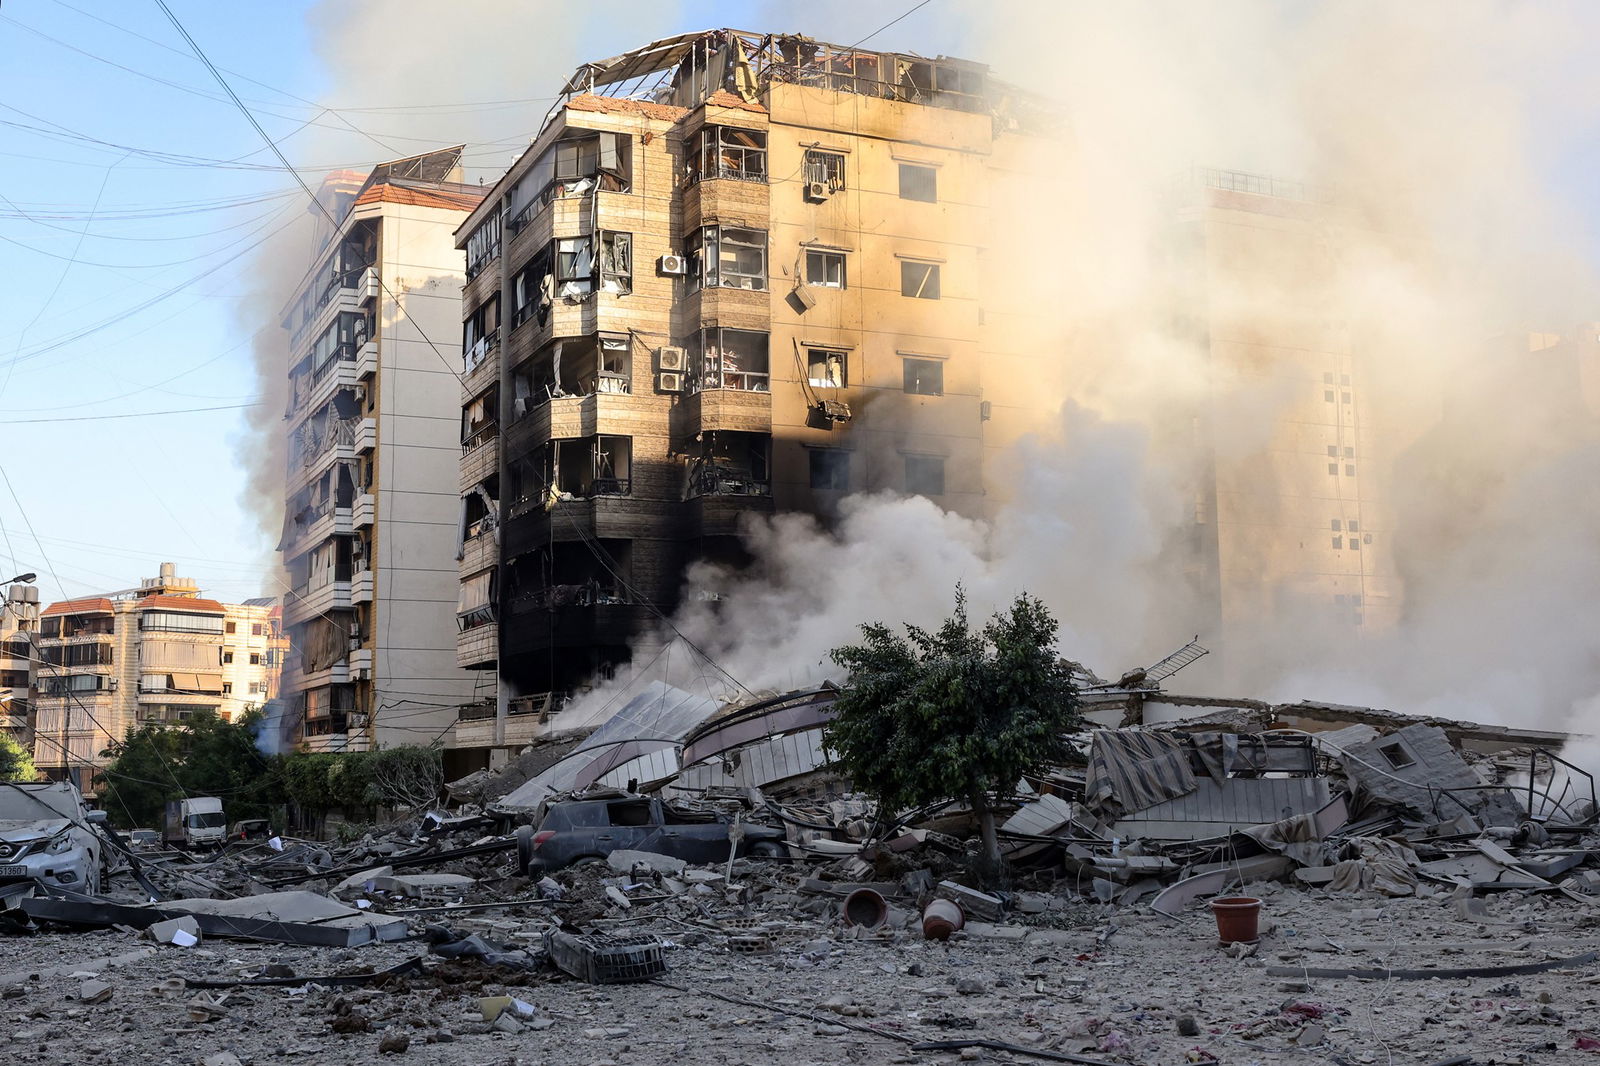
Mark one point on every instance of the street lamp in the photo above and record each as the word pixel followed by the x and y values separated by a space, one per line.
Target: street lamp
pixel 21 579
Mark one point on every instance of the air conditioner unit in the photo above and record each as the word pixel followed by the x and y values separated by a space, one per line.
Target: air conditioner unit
pixel 669 357
pixel 672 264
pixel 817 191
pixel 834 410
pixel 669 382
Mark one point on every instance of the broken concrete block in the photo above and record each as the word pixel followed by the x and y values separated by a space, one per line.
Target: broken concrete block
pixel 989 931
pixel 973 903
pixel 618 897
pixel 394 1044
pixel 94 992
pixel 623 861
pixel 181 932
pixel 491 1007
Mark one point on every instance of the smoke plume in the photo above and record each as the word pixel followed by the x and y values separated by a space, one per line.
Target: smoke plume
pixel 1430 140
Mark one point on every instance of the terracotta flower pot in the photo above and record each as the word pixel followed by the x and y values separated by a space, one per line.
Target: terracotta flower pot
pixel 1238 919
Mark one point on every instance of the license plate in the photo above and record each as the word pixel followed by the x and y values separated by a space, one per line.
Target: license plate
pixel 13 871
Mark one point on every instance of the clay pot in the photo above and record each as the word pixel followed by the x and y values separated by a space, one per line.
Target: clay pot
pixel 865 908
pixel 1238 919
pixel 940 918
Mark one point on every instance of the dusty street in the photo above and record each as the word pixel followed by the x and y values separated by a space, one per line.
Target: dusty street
pixel 1119 985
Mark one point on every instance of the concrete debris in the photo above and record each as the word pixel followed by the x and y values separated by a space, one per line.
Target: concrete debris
pixel 1407 852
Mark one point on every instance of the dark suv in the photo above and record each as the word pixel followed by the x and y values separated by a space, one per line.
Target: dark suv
pixel 577 829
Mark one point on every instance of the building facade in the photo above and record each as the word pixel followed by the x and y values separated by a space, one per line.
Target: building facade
pixel 105 665
pixel 19 619
pixel 369 541
pixel 757 291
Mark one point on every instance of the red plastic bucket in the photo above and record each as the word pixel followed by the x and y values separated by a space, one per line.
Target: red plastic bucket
pixel 1238 919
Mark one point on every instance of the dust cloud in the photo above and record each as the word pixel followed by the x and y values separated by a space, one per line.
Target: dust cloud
pixel 1431 224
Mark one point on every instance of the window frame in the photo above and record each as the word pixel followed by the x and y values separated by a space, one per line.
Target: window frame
pixel 914 459
pixel 828 354
pixel 829 469
pixel 825 258
pixel 914 288
pixel 910 368
pixel 714 145
pixel 919 172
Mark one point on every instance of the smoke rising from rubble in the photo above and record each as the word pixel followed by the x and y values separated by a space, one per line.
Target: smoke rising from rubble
pixel 1439 130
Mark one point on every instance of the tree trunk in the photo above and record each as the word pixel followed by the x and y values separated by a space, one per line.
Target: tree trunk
pixel 990 865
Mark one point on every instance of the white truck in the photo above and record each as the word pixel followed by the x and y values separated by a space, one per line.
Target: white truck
pixel 197 822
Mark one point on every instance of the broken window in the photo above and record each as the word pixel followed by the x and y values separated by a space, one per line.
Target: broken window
pixel 629 812
pixel 830 469
pixel 479 508
pixel 925 475
pixel 825 168
pixel 825 368
pixel 574 258
pixel 613 169
pixel 924 377
pixel 1396 755
pixel 728 359
pixel 480 333
pixel 533 289
pixel 483 245
pixel 728 463
pixel 919 280
pixel 614 373
pixel 825 269
pixel 728 152
pixel 728 257
pixel 616 263
pixel 480 418
pixel 532 383
pixel 919 183
pixel 475 600
pixel 593 466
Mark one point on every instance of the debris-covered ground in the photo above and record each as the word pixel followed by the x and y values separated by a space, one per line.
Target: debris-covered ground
pixel 1405 897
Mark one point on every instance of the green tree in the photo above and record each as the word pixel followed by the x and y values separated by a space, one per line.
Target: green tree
pixel 16 764
pixel 204 755
pixel 955 713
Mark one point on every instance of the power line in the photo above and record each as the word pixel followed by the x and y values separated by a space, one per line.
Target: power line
pixel 135 414
pixel 315 200
pixel 891 22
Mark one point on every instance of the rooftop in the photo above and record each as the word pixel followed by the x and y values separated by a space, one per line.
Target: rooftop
pixel 89 605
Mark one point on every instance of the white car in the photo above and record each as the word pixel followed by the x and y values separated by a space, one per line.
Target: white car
pixel 48 837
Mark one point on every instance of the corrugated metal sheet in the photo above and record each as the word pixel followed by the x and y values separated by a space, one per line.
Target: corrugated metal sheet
pixel 1214 809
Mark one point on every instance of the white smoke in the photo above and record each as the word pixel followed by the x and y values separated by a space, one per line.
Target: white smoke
pixel 1439 130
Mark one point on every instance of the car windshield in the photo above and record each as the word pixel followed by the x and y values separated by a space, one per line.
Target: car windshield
pixel 30 804
pixel 208 820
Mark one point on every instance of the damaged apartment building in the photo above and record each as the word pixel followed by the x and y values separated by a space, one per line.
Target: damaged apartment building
pixel 750 285
pixel 366 545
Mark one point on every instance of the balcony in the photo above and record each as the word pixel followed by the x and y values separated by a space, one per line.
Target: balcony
pixel 367 360
pixel 482 459
pixel 338 440
pixel 309 603
pixel 361 588
pixel 365 511
pixel 717 410
pixel 366 436
pixel 346 292
pixel 295 679
pixel 315 389
pixel 360 664
pixel 371 284
pixel 478 647
pixel 315 525
pixel 478 353
pixel 478 551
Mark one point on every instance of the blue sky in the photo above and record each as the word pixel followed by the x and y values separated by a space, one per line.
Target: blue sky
pixel 134 199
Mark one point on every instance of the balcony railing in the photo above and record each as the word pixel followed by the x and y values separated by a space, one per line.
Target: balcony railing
pixel 482 435
pixel 588 595
pixel 338 722
pixel 475 617
pixel 481 711
pixel 727 483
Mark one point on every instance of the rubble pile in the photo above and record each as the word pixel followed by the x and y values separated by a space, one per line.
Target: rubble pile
pixel 1405 895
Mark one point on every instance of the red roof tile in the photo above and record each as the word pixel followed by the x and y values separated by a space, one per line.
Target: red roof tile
pixel 450 199
pixel 616 105
pixel 180 603
pixel 723 98
pixel 91 605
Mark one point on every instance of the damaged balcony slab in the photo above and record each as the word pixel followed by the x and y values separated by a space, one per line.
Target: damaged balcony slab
pixel 304 918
